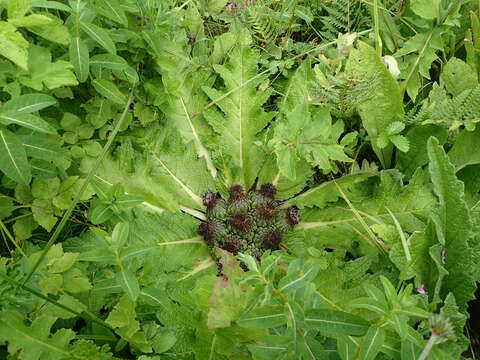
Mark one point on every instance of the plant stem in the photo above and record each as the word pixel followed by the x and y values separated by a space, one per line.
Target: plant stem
pixel 428 347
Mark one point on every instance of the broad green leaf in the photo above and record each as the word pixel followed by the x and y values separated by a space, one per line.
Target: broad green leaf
pixel 13 159
pixel 270 347
pixel 35 341
pixel 28 103
pixel 41 147
pixel 417 154
pixel 50 5
pixel 454 226
pixel 428 9
pixel 31 20
pixel 458 76
pixel 462 153
pixel 240 118
pixel 79 57
pixel 100 35
pixel 17 8
pixel 43 72
pixel 13 46
pixel 372 343
pixel 129 283
pixel 331 322
pixel 55 31
pixel 109 61
pixel 319 196
pixel 112 10
pixel 410 350
pixel 264 317
pixel 109 90
pixel 27 120
pixel 184 100
pixel 386 104
pixel 347 347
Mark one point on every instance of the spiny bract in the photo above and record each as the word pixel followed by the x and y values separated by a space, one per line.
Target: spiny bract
pixel 247 222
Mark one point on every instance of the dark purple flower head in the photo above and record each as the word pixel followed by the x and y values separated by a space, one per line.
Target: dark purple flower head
pixel 232 244
pixel 210 200
pixel 241 221
pixel 236 193
pixel 268 209
pixel 292 216
pixel 207 229
pixel 272 239
pixel 268 190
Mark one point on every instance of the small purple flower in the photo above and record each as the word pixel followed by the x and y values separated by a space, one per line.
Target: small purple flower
pixel 421 289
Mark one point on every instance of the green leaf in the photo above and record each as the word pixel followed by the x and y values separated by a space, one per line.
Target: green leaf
pixel 461 154
pixel 27 120
pixel 400 142
pixel 410 351
pixel 453 225
pixel 99 35
pixel 55 31
pixel 386 105
pixel 28 103
pixel 79 57
pixel 50 5
pixel 372 343
pixel 109 90
pixel 109 61
pixel 31 20
pixel 347 348
pixel 269 347
pixel 34 342
pixel 332 322
pixel 428 9
pixel 264 317
pixel 41 147
pixel 44 72
pixel 242 118
pixel 13 159
pixel 458 76
pixel 112 10
pixel 417 154
pixel 129 283
pixel 13 46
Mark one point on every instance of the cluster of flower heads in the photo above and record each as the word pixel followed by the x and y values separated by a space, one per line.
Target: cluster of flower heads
pixel 247 222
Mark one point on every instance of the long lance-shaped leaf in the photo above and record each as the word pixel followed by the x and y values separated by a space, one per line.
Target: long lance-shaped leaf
pixel 240 117
pixel 13 159
pixel 28 103
pixel 88 179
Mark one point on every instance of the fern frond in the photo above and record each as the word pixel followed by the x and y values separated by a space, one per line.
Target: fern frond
pixel 343 16
pixel 261 24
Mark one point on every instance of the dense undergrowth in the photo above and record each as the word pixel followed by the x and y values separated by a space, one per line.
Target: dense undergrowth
pixel 241 179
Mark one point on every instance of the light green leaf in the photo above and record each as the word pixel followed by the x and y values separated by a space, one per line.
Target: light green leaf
pixel 35 341
pixel 386 105
pixel 100 35
pixel 400 142
pixel 41 147
pixel 31 20
pixel 264 317
pixel 49 5
pixel 454 226
pixel 28 103
pixel 332 322
pixel 242 118
pixel 372 343
pixel 462 153
pixel 13 159
pixel 129 283
pixel 42 71
pixel 27 120
pixel 42 211
pixel 12 45
pixel 347 348
pixel 109 61
pixel 112 10
pixel 428 9
pixel 55 31
pixel 270 347
pixel 79 57
pixel 109 90
pixel 458 76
